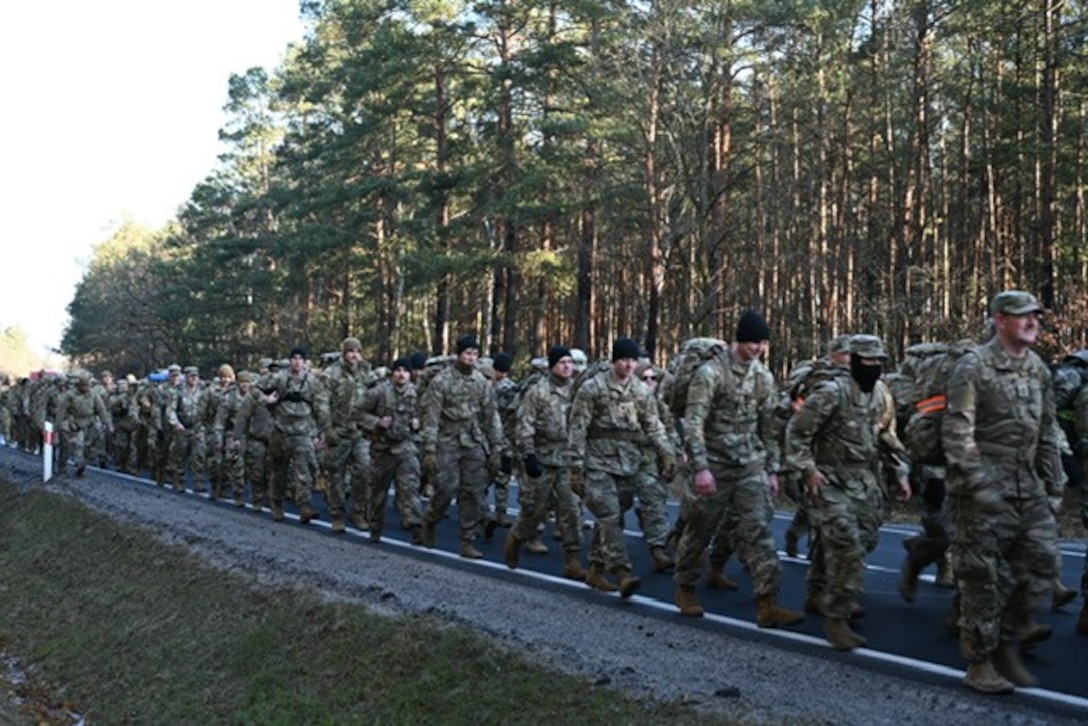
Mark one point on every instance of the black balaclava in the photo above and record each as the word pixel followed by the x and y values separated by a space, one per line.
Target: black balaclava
pixel 866 376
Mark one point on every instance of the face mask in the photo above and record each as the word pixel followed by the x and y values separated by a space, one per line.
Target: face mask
pixel 866 376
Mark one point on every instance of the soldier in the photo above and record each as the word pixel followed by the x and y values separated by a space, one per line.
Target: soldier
pixel 159 432
pixel 652 490
pixel 1000 436
pixel 541 435
pixel 835 441
pixel 728 427
pixel 343 384
pixel 1080 448
pixel 292 395
pixel 126 423
pixel 217 474
pixel 506 392
pixel 78 411
pixel 612 412
pixel 253 427
pixel 229 442
pixel 389 413
pixel 186 412
pixel 463 444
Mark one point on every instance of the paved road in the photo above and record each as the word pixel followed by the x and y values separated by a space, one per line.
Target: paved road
pixel 903 638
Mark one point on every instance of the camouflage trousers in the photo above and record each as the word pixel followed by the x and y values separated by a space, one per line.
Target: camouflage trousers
pixel 292 463
pixel 536 497
pixel 349 458
pixel 75 446
pixel 931 545
pixel 232 470
pixel 652 491
pixel 120 444
pixel 403 469
pixel 95 444
pixel 847 521
pixel 1005 559
pixel 462 473
pixel 501 482
pixel 608 496
pixel 187 449
pixel 256 471
pixel 739 512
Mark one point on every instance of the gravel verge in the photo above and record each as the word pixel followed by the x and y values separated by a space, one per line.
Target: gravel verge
pixel 625 647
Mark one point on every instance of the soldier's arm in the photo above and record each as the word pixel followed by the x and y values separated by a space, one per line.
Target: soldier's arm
pixel 431 405
pixel 768 427
pixel 492 422
pixel 700 397
pixel 526 418
pixel 172 409
pixel 1049 451
pixel 801 432
pixel 581 411
pixel 245 411
pixel 652 426
pixel 368 409
pixel 958 422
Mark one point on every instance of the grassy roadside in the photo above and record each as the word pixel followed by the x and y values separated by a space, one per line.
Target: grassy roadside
pixel 124 629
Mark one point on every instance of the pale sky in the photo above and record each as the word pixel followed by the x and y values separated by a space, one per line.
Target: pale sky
pixel 111 109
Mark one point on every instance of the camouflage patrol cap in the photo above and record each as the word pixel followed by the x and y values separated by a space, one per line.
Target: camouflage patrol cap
pixel 192 371
pixel 839 344
pixel 244 377
pixel 173 368
pixel 1015 302
pixel 350 344
pixel 867 346
pixel 266 363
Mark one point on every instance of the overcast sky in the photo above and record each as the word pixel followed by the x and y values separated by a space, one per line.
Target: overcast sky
pixel 111 110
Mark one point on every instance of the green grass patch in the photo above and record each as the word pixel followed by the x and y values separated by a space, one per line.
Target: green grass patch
pixel 126 629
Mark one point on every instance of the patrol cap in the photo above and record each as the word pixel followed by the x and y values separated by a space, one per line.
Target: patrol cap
pixel 839 344
pixel 867 346
pixel 350 344
pixel 173 368
pixel 192 371
pixel 266 363
pixel 1015 302
pixel 244 377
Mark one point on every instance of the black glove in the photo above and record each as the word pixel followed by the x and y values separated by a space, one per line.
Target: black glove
pixel 532 466
pixel 506 464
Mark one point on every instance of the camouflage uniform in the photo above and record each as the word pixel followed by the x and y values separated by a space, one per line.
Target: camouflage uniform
pixel 253 427
pixel 1081 449
pixel 506 392
pixel 837 434
pixel 343 386
pixel 230 444
pixel 292 454
pixel 125 423
pixel 78 411
pixel 1001 439
pixel 728 427
pixel 541 431
pixel 185 413
pixel 462 432
pixel 608 419
pixel 394 453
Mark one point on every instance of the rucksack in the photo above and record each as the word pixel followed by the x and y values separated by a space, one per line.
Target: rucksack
pixel 923 429
pixel 681 369
pixel 1069 377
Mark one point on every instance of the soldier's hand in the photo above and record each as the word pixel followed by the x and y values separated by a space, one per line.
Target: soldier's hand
pixel 430 465
pixel 904 490
pixel 704 483
pixel 1055 505
pixel 506 464
pixel 578 481
pixel 668 467
pixel 814 481
pixel 532 466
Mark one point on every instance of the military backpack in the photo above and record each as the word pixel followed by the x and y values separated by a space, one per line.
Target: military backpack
pixel 693 353
pixel 931 374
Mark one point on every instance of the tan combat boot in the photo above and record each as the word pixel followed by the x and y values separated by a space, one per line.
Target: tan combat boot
pixel 688 602
pixel 537 547
pixel 982 676
pixel 628 583
pixel 662 561
pixel 277 512
pixel 596 578
pixel 512 551
pixel 717 579
pixel 769 614
pixel 375 535
pixel 908 580
pixel 427 539
pixel 1061 595
pixel 416 534
pixel 1034 634
pixel 469 552
pixel 359 520
pixel 338 526
pixel 838 633
pixel 306 514
pixel 946 579
pixel 572 566
pixel 1007 661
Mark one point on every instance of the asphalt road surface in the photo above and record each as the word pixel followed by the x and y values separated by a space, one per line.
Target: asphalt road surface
pixel 904 639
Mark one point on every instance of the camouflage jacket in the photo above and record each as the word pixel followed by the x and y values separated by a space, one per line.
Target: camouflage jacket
pixel 401 405
pixel 460 407
pixel 541 427
pixel 1000 430
pixel 299 410
pixel 608 421
pixel 843 433
pixel 77 410
pixel 188 406
pixel 254 420
pixel 341 394
pixel 729 417
pixel 227 414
